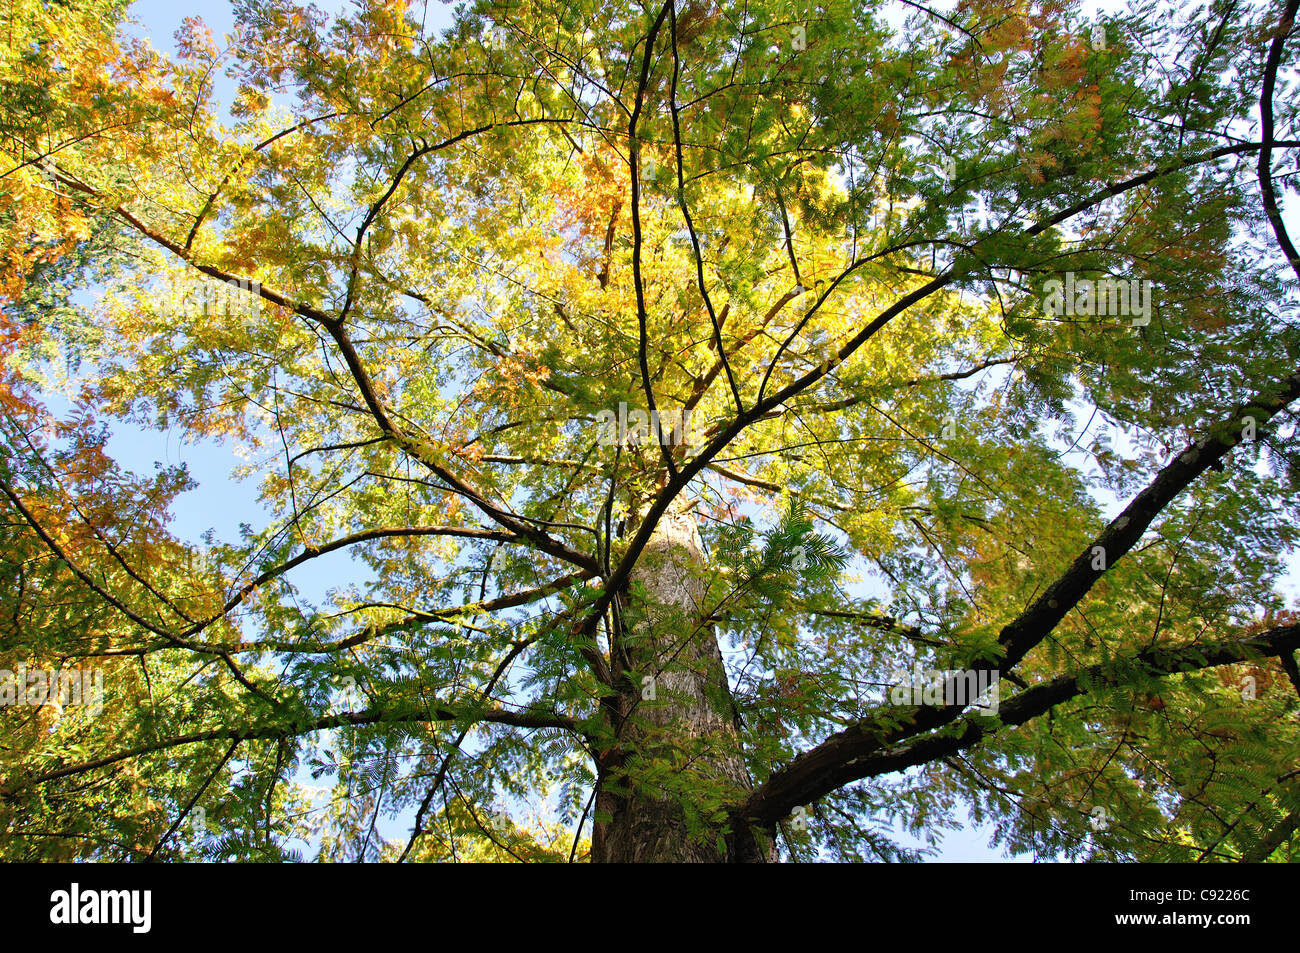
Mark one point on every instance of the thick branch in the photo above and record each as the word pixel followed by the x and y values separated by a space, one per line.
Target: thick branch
pixel 851 746
pixel 1266 121
pixel 840 760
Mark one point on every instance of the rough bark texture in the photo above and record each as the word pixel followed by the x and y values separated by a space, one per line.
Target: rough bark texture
pixel 680 749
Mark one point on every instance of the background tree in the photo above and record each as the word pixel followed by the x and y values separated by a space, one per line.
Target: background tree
pixel 825 234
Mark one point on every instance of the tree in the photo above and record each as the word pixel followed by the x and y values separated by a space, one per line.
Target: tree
pixel 713 399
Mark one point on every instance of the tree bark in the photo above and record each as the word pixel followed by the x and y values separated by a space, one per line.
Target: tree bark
pixel 677 759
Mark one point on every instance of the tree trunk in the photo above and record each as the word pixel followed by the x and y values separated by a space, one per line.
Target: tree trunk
pixel 677 757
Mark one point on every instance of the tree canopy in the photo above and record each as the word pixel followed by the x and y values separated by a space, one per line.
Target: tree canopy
pixel 691 385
